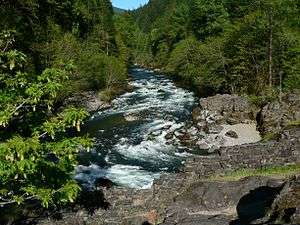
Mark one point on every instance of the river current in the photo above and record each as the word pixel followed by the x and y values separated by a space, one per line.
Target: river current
pixel 132 146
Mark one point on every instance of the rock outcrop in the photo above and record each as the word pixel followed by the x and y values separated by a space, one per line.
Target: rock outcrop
pixel 88 100
pixel 223 120
pixel 224 109
pixel 286 207
pixel 284 151
pixel 277 115
pixel 216 202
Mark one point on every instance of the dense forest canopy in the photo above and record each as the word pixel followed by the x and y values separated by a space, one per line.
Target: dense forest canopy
pixel 50 49
pixel 228 46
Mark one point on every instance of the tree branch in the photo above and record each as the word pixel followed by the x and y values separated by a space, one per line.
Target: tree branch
pixel 9 202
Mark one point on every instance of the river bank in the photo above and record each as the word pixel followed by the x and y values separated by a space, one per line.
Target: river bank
pixel 94 101
pixel 230 176
pixel 206 191
pixel 195 196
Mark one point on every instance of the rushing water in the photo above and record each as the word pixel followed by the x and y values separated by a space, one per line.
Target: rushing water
pixel 131 145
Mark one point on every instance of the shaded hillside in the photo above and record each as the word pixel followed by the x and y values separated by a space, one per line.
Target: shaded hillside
pixel 118 10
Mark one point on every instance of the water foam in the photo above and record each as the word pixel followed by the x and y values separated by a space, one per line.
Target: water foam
pixel 136 150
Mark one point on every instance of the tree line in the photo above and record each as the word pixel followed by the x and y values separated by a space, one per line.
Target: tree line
pixel 228 46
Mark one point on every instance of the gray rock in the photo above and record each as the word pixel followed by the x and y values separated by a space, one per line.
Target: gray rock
pixel 204 146
pixel 217 111
pixel 215 129
pixel 223 201
pixel 286 207
pixel 188 198
pixel 222 109
pixel 169 136
pixel 277 115
pixel 232 134
pixel 89 100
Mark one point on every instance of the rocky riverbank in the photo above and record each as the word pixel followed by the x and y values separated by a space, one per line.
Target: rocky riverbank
pixel 206 191
pixel 90 100
pixel 94 101
pixel 196 196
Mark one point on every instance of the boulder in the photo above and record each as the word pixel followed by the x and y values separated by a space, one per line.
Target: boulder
pixel 102 182
pixel 277 115
pixel 286 207
pixel 89 100
pixel 169 136
pixel 230 202
pixel 232 134
pixel 221 109
pixel 226 120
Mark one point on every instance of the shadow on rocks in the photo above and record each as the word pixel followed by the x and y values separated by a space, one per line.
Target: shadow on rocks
pixel 255 205
pixel 31 212
pixel 92 201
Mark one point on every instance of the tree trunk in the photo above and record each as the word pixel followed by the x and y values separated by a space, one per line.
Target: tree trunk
pixel 280 86
pixel 270 50
pixel 107 43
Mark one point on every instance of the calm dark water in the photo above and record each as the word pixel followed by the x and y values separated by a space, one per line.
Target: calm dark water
pixel 131 146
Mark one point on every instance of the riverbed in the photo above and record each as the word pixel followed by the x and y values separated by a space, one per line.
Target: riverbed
pixel 132 147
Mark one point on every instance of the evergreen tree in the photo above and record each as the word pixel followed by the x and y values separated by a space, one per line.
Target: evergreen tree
pixel 208 18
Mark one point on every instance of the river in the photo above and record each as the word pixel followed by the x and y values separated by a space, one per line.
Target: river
pixel 132 148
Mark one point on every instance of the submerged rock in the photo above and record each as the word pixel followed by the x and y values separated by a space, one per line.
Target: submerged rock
pixel 131 117
pixel 169 136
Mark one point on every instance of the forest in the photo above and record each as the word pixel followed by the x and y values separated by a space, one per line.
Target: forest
pixel 51 49
pixel 229 46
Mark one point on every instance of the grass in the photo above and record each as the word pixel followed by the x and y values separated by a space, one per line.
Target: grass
pixel 269 136
pixel 272 171
pixel 295 123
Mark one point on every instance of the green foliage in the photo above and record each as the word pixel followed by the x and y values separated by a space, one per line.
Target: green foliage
pixel 208 18
pixel 270 171
pixel 37 157
pixel 295 123
pixel 103 71
pixel 270 95
pixel 49 50
pixel 291 62
pixel 269 137
pixel 243 47
pixel 199 64
pixel 52 33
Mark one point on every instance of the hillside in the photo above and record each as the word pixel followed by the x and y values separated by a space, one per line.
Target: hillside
pixel 233 46
pixel 118 10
